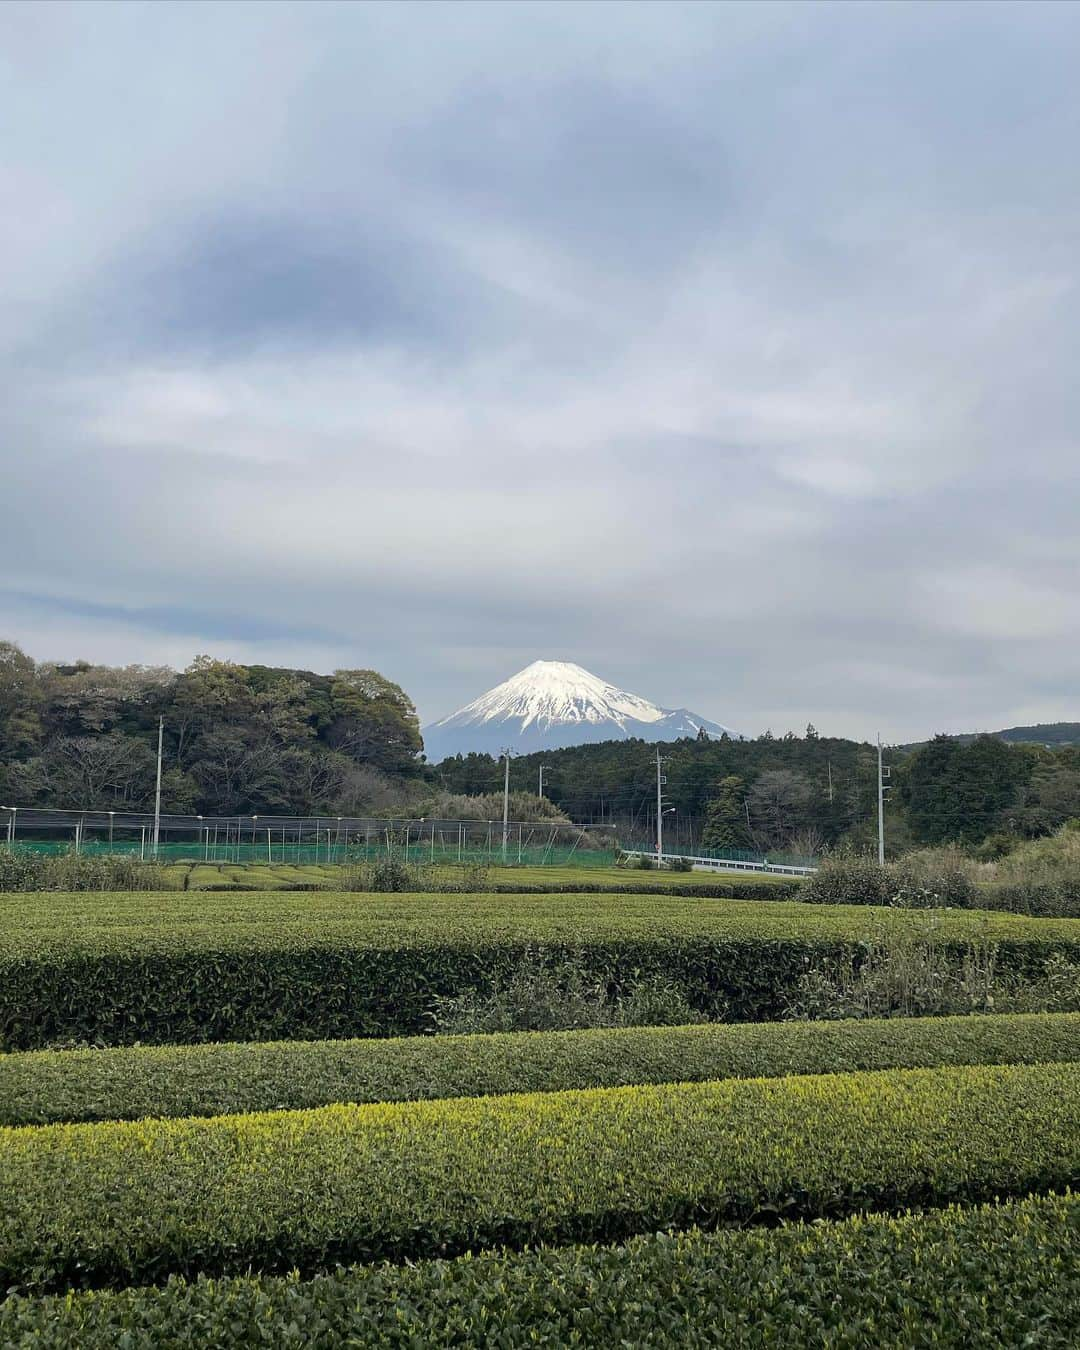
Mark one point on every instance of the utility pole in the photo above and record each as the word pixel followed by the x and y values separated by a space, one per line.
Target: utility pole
pixel 157 790
pixel 830 783
pixel 883 772
pixel 506 803
pixel 660 781
pixel 542 768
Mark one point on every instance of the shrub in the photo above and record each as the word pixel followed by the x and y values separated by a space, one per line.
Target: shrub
pixel 659 1001
pixel 928 879
pixel 996 1275
pixel 914 974
pixel 1056 989
pixel 566 996
pixel 534 996
pixel 848 881
pixel 208 1080
pixel 931 878
pixel 128 1202
pixel 22 870
pixel 995 846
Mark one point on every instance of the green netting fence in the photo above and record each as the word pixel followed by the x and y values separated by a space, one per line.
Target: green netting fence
pixel 328 852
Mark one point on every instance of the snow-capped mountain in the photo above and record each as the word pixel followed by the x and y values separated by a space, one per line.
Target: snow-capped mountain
pixel 556 703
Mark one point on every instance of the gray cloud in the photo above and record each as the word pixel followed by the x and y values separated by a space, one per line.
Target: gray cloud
pixel 724 349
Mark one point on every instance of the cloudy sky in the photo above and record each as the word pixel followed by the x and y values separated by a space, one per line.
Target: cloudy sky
pixel 729 351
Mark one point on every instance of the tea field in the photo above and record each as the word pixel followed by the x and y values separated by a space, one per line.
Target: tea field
pixel 223 1122
pixel 511 879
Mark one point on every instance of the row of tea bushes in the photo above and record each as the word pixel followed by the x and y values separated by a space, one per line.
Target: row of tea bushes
pixel 124 1203
pixel 111 920
pixel 993 1276
pixel 185 967
pixel 494 880
pixel 205 1080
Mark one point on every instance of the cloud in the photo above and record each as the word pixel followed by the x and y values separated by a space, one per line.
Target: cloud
pixel 725 350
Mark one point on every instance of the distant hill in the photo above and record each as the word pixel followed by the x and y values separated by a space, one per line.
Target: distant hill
pixel 1044 733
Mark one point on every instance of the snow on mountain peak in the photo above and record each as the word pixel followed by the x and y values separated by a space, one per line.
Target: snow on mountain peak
pixel 556 691
pixel 553 703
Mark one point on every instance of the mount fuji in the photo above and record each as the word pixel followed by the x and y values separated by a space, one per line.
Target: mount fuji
pixel 552 704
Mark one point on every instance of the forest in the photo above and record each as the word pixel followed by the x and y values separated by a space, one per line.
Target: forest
pixel 802 793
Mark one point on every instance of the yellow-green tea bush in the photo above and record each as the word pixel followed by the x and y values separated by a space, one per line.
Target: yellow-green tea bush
pixel 206 1080
pixel 187 966
pixel 987 1277
pixel 133 1202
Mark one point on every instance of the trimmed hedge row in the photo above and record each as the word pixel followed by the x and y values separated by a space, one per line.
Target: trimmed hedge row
pixel 992 1276
pixel 126 1084
pixel 1057 899
pixel 187 967
pixel 707 890
pixel 134 1202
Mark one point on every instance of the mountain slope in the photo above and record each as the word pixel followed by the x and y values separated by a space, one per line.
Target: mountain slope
pixel 556 703
pixel 1044 733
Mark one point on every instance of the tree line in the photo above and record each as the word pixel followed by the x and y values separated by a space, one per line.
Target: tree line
pixel 268 740
pixel 237 738
pixel 803 793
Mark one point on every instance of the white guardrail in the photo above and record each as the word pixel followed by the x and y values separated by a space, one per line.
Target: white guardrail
pixel 724 864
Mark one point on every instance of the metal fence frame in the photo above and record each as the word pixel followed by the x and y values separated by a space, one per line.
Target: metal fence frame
pixel 306 840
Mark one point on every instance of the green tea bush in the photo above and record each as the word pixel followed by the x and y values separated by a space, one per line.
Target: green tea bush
pixel 395 875
pixel 658 1001
pixel 1052 899
pixel 128 1083
pixel 988 1276
pixel 1056 989
pixel 122 1203
pixel 187 966
pixel 706 890
pixel 996 1275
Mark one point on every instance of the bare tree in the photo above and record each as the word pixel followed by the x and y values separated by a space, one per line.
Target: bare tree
pixel 779 803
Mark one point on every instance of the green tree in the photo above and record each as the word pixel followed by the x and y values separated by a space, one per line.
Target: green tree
pixel 725 816
pixel 374 721
pixel 953 791
pixel 1051 798
pixel 20 703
